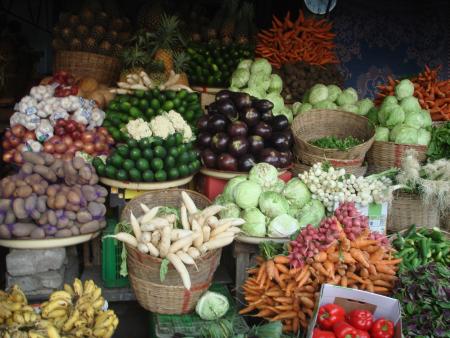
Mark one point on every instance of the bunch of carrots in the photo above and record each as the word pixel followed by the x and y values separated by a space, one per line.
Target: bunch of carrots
pixel 277 291
pixel 305 39
pixel 433 95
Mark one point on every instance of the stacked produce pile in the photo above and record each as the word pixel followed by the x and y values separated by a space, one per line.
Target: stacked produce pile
pixel 287 287
pixel 50 197
pixel 401 119
pixel 76 311
pixel 91 30
pixel 321 96
pixel 298 77
pixel 68 124
pixel 179 236
pixel 256 79
pixel 268 205
pixel 433 95
pixel 240 131
pixel 305 39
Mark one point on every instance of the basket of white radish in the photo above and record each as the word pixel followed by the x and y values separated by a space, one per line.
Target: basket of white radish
pixel 175 247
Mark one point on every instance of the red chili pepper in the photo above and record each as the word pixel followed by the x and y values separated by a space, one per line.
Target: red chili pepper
pixel 362 334
pixel 360 319
pixel 382 328
pixel 344 330
pixel 318 333
pixel 329 315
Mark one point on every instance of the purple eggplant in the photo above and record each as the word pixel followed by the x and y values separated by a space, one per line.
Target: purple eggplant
pixel 237 128
pixel 219 142
pixel 208 158
pixel 246 162
pixel 279 123
pixel 285 159
pixel 269 155
pixel 202 123
pixel 288 134
pixel 280 141
pixel 266 116
pixel 250 116
pixel 227 108
pixel 204 140
pixel 223 94
pixel 262 129
pixel 241 100
pixel 262 105
pixel 227 162
pixel 238 146
pixel 256 144
pixel 217 123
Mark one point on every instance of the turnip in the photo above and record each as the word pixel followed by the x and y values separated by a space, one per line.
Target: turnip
pixel 181 268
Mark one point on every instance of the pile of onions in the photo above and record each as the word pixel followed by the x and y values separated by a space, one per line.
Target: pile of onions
pixel 12 144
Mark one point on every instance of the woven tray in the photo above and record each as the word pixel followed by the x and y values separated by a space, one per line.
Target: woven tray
pixel 318 123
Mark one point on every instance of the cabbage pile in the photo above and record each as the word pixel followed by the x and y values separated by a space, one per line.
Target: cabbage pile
pixel 268 205
pixel 321 96
pixel 255 78
pixel 401 119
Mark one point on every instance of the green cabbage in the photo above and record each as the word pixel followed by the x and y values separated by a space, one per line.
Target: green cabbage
pixel 246 194
pixel 349 107
pixel 259 81
pixel 273 204
pixel 255 222
pixel 394 132
pixel 305 107
pixel 319 92
pixel 245 64
pixel 312 213
pixel 410 104
pixel 404 89
pixel 296 192
pixel 388 100
pixel 294 210
pixel 345 98
pixel 305 98
pixel 426 118
pixel 212 306
pixel 406 135
pixel 220 200
pixel 231 211
pixel 364 106
pixel 282 226
pixel 296 107
pixel 277 187
pixel 228 191
pixel 333 92
pixel 256 92
pixel 353 93
pixel 372 115
pixel 415 119
pixel 286 112
pixel 277 100
pixel 240 77
pixel 395 115
pixel 263 174
pixel 261 67
pixel 382 134
pixel 423 137
pixel 325 104
pixel 276 84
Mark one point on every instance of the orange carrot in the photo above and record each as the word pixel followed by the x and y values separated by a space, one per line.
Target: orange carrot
pixel 359 256
pixel 281 259
pixel 270 266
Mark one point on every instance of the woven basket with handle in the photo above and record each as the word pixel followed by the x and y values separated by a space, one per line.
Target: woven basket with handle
pixel 105 69
pixel 407 209
pixel 385 155
pixel 318 123
pixel 170 296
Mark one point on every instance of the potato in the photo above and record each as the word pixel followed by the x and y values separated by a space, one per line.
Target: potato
pixel 52 219
pixel 60 201
pixel 75 230
pixel 51 202
pixel 63 222
pixel 63 233
pixel 33 158
pixel 72 207
pixel 70 174
pixel 85 173
pixel 96 209
pixel 49 229
pixel 20 183
pixel 102 224
pixel 9 188
pixel 58 163
pixel 89 227
pixel 94 179
pixel 35 215
pixel 101 200
pixel 23 192
pixel 73 197
pixel 23 229
pixel 60 172
pixel 10 217
pixel 43 219
pixel 45 172
pixel 37 233
pixel 4 232
pixel 30 203
pixel 39 188
pixel 27 168
pixel 84 216
pixel 71 215
pixel 49 159
pixel 64 189
pixel 19 208
pixel 5 204
pixel 42 203
pixel 78 162
pixel 89 192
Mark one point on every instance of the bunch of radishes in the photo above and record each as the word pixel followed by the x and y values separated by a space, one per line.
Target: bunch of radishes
pixel 352 221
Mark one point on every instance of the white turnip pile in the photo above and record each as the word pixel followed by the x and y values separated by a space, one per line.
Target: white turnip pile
pixel 201 232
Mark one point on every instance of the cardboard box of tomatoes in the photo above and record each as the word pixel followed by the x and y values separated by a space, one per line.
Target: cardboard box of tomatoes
pixel 349 313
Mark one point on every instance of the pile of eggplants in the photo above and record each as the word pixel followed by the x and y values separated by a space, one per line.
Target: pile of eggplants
pixel 239 131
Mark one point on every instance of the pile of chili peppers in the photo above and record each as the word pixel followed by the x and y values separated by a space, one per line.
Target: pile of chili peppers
pixel 333 322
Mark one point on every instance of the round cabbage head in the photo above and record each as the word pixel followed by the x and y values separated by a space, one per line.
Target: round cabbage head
pixel 382 134
pixel 231 211
pixel 246 194
pixel 255 222
pixel 261 66
pixel 364 106
pixel 256 92
pixel 426 118
pixel 245 64
pixel 240 77
pixel 372 115
pixel 277 100
pixel 326 104
pixel 410 104
pixel 312 213
pixel 406 135
pixel 388 100
pixel 404 88
pixel 259 81
pixel 423 137
pixel 305 107
pixel 333 92
pixel 346 98
pixel 263 174
pixel 296 192
pixel 395 115
pixel 212 306
pixel 282 226
pixel 277 187
pixel 228 192
pixel 415 119
pixel 276 84
pixel 286 112
pixel 349 107
pixel 273 204
pixel 319 92
pixel 353 93
pixel 305 98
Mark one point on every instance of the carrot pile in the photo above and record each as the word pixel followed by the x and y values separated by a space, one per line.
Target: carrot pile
pixel 433 95
pixel 277 291
pixel 305 39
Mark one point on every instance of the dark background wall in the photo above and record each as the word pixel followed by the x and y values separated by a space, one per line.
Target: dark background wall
pixel 374 38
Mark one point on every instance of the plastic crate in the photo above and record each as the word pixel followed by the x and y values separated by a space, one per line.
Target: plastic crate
pixel 111 260
pixel 190 325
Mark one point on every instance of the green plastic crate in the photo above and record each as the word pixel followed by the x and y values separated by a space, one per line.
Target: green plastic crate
pixel 111 252
pixel 165 326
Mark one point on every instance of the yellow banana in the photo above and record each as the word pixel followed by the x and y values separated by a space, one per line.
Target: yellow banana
pixel 27 308
pixel 55 304
pixel 4 311
pixel 59 321
pixel 115 322
pixel 71 321
pixel 69 289
pixel 109 332
pixel 90 313
pixel 96 294
pixel 12 306
pixel 33 334
pixel 99 332
pixel 57 313
pixel 80 323
pixel 98 303
pixel 26 316
pixel 89 286
pixel 18 318
pixel 18 296
pixel 52 332
pixel 78 287
pixel 62 294
pixel 107 322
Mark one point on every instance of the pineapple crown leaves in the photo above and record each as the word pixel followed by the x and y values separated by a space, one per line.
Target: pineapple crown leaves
pixel 135 57
pixel 168 34
pixel 180 62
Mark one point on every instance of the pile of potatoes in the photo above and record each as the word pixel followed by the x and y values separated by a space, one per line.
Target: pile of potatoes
pixel 51 197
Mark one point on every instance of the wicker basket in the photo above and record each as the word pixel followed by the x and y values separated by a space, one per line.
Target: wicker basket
pixel 407 209
pixel 299 168
pixel 315 124
pixel 169 297
pixel 311 159
pixel 105 69
pixel 385 155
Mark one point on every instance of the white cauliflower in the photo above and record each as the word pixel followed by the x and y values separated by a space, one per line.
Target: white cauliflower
pixel 161 126
pixel 180 125
pixel 138 129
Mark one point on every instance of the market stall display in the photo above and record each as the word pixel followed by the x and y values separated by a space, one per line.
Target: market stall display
pixel 51 198
pixel 239 131
pixel 79 310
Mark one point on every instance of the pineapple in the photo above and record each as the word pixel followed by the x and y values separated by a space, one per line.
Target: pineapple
pixel 66 33
pixel 105 47
pixel 117 49
pixel 156 72
pixel 98 31
pixel 82 30
pixel 90 44
pixel 117 24
pixel 73 20
pixel 180 61
pixel 112 36
pixel 87 16
pixel 75 44
pixel 134 60
pixel 102 18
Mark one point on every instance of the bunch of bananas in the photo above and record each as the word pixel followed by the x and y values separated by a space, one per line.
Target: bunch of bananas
pixel 14 308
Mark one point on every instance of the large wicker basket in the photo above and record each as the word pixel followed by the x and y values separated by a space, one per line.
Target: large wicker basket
pixel 170 296
pixel 105 69
pixel 407 209
pixel 317 123
pixel 385 155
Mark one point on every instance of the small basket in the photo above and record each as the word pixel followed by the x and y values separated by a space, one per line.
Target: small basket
pixel 299 168
pixel 407 209
pixel 170 296
pixel 385 155
pixel 318 123
pixel 311 159
pixel 105 69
